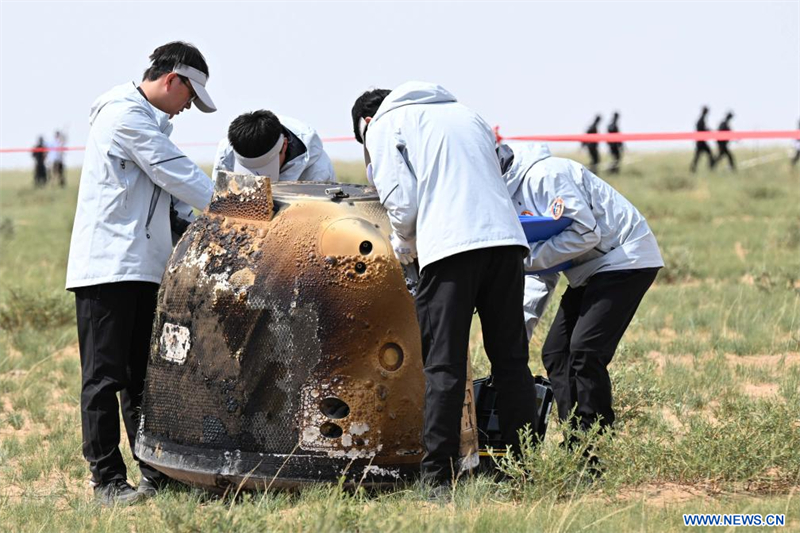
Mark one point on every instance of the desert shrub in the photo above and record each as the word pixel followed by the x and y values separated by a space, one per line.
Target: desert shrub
pixel 6 229
pixel 673 183
pixel 678 264
pixel 763 192
pixel 550 469
pixel 38 310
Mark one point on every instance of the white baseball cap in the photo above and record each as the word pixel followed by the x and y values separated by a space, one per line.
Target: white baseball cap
pixel 268 164
pixel 198 81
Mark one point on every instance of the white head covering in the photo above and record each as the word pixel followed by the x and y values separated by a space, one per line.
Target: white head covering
pixel 268 164
pixel 198 80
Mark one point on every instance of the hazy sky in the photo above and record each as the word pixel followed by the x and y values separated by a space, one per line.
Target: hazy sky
pixel 529 67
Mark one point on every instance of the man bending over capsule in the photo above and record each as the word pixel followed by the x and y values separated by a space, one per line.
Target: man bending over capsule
pixel 614 260
pixel 282 148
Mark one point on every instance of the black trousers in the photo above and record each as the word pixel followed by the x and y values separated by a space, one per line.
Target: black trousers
pixel 583 338
pixel 616 156
pixel 594 157
pixel 115 321
pixel 449 290
pixel 58 171
pixel 724 152
pixel 700 148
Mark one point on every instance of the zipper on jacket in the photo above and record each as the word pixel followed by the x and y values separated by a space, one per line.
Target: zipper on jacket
pixel 124 180
pixel 153 204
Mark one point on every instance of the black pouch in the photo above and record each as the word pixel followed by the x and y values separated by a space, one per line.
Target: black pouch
pixel 489 435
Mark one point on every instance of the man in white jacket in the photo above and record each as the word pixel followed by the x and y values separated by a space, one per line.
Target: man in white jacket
pixel 133 179
pixel 615 259
pixel 264 144
pixel 436 173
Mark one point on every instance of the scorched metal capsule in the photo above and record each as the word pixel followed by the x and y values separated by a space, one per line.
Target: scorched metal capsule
pixel 285 348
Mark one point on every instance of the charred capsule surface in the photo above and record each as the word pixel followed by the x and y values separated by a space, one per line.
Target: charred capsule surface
pixel 285 344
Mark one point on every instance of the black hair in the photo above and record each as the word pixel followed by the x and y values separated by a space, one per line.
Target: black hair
pixel 366 106
pixel 253 134
pixel 165 58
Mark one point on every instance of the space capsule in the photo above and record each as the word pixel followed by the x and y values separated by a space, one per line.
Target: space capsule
pixel 285 348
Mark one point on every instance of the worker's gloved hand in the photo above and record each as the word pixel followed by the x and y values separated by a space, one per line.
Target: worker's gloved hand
pixel 405 250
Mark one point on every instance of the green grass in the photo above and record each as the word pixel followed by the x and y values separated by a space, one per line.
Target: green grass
pixel 706 384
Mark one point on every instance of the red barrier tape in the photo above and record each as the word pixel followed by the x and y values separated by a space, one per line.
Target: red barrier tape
pixel 680 136
pixel 32 150
pixel 579 137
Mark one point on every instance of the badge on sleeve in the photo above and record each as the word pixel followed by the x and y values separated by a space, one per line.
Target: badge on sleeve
pixel 556 209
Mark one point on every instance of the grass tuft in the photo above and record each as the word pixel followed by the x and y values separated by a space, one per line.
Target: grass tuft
pixel 38 310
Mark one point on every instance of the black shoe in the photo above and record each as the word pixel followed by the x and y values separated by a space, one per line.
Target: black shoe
pixel 149 487
pixel 116 492
pixel 594 468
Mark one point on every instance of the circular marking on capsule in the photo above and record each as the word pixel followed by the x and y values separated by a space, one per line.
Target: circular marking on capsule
pixel 334 408
pixel 391 357
pixel 331 430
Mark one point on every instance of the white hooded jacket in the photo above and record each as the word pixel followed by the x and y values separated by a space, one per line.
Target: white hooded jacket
pixel 312 164
pixel 607 233
pixel 539 288
pixel 122 230
pixel 437 174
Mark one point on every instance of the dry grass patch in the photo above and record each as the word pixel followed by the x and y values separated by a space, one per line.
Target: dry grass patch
pixel 761 360
pixel 26 429
pixel 661 359
pixel 740 250
pixel 663 494
pixel 761 390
